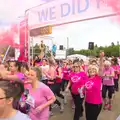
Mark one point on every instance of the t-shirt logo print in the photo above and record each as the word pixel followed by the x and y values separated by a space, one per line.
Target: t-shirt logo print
pixel 75 78
pixel 89 84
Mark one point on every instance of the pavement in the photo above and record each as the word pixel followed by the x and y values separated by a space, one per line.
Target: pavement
pixel 104 115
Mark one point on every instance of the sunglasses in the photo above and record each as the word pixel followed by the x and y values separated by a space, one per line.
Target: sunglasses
pixel 75 66
pixel 3 98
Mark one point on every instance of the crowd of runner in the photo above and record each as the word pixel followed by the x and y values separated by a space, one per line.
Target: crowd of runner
pixel 29 93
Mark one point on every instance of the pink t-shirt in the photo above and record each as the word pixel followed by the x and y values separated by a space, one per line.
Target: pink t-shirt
pixel 109 81
pixel 20 76
pixel 66 73
pixel 27 85
pixel 58 80
pixel 77 81
pixel 93 90
pixel 116 69
pixel 41 96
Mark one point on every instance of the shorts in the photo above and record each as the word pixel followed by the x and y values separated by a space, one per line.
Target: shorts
pixel 110 90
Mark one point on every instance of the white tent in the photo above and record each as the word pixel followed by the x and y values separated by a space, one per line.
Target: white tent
pixel 77 56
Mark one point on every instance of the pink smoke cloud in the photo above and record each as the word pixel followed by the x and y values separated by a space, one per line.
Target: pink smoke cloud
pixel 115 6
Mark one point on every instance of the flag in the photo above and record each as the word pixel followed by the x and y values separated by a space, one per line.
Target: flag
pixel 23 36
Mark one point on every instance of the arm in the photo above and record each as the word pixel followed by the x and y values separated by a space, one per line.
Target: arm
pixel 11 77
pixel 112 74
pixel 101 64
pixel 40 47
pixel 50 101
pixel 5 75
pixel 49 95
pixel 81 69
pixel 68 86
pixel 48 76
pixel 52 74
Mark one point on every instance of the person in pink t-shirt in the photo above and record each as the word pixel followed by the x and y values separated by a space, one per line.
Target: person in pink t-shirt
pixel 77 81
pixel 93 96
pixel 15 72
pixel 115 66
pixel 59 83
pixel 108 85
pixel 41 97
pixel 65 71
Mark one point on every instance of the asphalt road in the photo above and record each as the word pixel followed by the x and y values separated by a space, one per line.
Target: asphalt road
pixel 104 115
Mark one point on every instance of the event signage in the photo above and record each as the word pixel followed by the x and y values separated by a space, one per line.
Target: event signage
pixel 46 30
pixel 65 11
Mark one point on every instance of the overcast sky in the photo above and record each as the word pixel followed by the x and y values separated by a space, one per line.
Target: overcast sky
pixel 102 31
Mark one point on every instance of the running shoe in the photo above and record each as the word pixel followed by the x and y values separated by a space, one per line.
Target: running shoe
pixel 65 99
pixel 73 106
pixel 117 90
pixel 81 115
pixel 54 106
pixel 105 107
pixel 61 108
pixel 110 107
pixel 51 113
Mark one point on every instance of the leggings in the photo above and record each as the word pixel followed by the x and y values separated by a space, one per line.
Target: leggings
pixel 53 87
pixel 64 84
pixel 92 111
pixel 58 85
pixel 78 106
pixel 116 84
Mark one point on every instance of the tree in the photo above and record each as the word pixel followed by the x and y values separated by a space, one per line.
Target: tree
pixel 112 50
pixel 95 46
pixel 117 42
pixel 70 51
pixel 112 44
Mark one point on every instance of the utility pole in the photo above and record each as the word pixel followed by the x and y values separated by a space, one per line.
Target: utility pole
pixel 67 50
pixel 67 43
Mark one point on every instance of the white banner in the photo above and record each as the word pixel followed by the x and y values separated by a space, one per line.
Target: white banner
pixel 64 11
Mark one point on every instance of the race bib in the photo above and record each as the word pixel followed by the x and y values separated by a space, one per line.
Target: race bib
pixel 31 101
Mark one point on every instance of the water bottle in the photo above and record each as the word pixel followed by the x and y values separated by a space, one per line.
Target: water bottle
pixel 80 90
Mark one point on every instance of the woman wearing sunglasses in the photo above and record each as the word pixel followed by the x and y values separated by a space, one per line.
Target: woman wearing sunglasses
pixel 77 80
pixel 9 92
